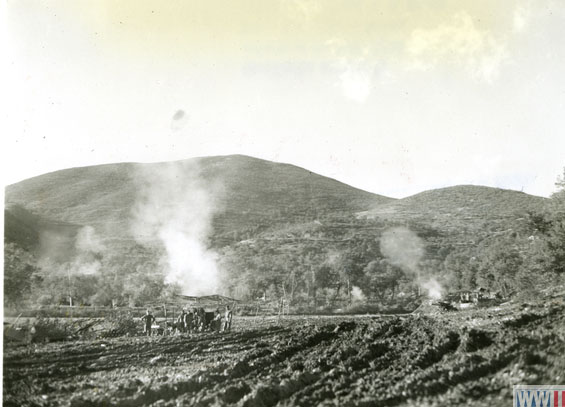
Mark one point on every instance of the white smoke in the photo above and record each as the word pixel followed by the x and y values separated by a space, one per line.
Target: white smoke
pixel 357 294
pixel 405 249
pixel 433 288
pixel 88 248
pixel 75 254
pixel 175 207
pixel 88 241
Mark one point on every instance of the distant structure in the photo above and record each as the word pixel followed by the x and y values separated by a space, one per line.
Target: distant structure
pixel 205 301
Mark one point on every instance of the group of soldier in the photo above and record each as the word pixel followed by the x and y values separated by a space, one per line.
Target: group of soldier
pixel 198 320
pixel 194 320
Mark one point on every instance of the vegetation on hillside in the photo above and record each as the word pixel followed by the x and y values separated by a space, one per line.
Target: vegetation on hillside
pixel 285 234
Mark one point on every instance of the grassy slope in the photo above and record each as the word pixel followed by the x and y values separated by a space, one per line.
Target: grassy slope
pixel 461 210
pixel 262 197
pixel 95 196
pixel 255 194
pixel 270 214
pixel 286 207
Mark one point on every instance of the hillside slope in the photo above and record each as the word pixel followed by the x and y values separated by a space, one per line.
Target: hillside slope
pixel 254 197
pixel 463 209
pixel 252 192
pixel 250 226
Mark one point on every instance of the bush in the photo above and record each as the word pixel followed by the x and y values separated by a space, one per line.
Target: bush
pixel 46 330
pixel 121 323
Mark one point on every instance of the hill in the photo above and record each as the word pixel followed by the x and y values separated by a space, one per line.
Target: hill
pixel 21 227
pixel 247 192
pixel 460 215
pixel 249 228
pixel 461 210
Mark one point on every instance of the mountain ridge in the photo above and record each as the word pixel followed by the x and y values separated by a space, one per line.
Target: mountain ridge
pixel 260 225
pixel 255 190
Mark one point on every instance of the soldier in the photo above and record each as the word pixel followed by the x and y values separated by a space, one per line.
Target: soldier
pixel 181 321
pixel 149 319
pixel 196 319
pixel 203 322
pixel 227 319
pixel 217 322
pixel 188 321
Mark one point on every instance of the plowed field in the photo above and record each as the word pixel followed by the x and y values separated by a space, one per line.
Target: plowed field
pixel 468 357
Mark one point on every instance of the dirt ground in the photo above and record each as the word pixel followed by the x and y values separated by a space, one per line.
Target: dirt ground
pixel 470 357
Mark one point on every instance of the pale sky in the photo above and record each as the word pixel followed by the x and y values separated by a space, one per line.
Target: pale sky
pixel 391 96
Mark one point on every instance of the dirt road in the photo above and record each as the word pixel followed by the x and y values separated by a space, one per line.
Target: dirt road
pixel 442 359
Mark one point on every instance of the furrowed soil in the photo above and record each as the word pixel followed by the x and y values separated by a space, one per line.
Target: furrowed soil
pixel 470 357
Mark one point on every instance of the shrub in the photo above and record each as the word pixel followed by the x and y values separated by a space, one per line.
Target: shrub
pixel 121 323
pixel 47 329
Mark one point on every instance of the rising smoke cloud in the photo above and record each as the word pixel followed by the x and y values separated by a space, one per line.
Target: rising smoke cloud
pixel 87 241
pixel 403 248
pixel 175 207
pixel 357 294
pixel 89 248
pixel 77 254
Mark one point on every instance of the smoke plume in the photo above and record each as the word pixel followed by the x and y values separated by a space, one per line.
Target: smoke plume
pixel 88 251
pixel 433 288
pixel 405 249
pixel 357 295
pixel 78 254
pixel 87 241
pixel 175 207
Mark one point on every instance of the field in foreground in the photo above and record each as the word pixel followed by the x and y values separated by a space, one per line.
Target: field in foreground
pixel 470 357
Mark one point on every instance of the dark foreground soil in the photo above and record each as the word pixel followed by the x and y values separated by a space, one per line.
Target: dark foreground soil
pixel 447 359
